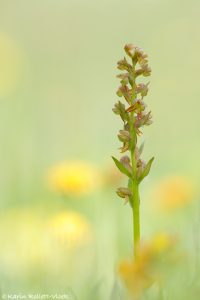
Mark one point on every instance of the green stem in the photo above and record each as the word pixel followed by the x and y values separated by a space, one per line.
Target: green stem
pixel 135 192
pixel 136 218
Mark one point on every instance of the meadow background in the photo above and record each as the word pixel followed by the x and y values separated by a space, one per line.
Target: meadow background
pixel 57 89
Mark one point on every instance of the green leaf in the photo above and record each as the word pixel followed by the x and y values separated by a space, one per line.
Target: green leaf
pixel 121 167
pixel 146 169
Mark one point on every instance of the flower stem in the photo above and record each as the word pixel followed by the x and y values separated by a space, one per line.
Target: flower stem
pixel 136 218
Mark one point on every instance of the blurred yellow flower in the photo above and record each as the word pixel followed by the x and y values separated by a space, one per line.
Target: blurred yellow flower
pixel 173 192
pixel 71 229
pixel 33 242
pixel 24 243
pixel 73 178
pixel 160 243
pixel 136 276
pixel 141 273
pixel 10 65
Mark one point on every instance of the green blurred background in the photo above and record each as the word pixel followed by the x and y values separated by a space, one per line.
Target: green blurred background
pixel 57 89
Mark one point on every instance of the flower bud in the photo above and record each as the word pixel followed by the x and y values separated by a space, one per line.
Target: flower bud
pixel 140 167
pixel 139 72
pixel 142 61
pixel 119 109
pixel 142 89
pixel 125 160
pixel 139 52
pixel 125 147
pixel 124 78
pixel 123 192
pixel 124 136
pixel 123 65
pixel 143 119
pixel 146 71
pixel 147 119
pixel 138 106
pixel 116 109
pixel 119 92
pixel 126 92
pixel 130 50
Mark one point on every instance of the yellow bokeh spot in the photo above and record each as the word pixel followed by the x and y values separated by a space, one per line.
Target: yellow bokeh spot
pixel 71 229
pixel 74 178
pixel 24 242
pixel 161 243
pixel 10 65
pixel 140 273
pixel 135 275
pixel 173 192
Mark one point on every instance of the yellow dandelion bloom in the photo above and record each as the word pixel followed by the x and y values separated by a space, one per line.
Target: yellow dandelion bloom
pixel 23 240
pixel 173 192
pixel 73 178
pixel 71 229
pixel 141 273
